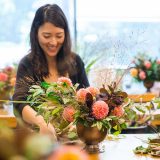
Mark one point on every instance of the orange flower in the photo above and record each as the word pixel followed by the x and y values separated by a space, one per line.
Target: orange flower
pixel 100 109
pixel 94 91
pixel 13 81
pixel 81 95
pixel 69 153
pixel 68 113
pixel 134 72
pixel 66 80
pixel 118 111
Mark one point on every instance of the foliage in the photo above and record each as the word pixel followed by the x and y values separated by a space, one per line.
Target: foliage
pixel 152 148
pixel 145 68
pixel 55 102
pixel 139 114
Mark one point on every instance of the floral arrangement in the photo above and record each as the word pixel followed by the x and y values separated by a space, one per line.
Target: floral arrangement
pixel 102 108
pixel 61 104
pixel 7 79
pixel 145 68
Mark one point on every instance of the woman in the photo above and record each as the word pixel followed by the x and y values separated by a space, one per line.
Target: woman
pixel 50 57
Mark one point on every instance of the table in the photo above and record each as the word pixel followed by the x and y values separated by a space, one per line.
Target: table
pixel 7 117
pixel 122 149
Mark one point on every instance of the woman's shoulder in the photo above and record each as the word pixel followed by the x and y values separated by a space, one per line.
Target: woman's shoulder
pixel 77 58
pixel 25 60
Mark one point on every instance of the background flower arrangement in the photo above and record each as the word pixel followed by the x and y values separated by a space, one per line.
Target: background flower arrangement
pixel 146 68
pixel 7 80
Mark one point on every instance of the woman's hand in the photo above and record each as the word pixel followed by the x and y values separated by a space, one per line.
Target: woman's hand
pixel 30 116
pixel 48 129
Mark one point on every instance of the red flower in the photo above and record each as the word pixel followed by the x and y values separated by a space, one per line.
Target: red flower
pixel 100 109
pixel 3 77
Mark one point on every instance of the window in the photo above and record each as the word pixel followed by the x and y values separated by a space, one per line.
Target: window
pixel 116 31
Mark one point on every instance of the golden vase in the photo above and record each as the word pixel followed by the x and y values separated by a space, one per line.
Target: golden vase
pixel 91 136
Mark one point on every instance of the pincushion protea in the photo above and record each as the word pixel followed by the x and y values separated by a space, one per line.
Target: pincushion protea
pixel 100 110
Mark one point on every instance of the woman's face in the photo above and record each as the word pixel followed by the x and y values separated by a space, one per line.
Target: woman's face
pixel 50 39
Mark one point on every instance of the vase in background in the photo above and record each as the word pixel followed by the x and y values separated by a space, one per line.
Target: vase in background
pixel 148 85
pixel 5 95
pixel 91 136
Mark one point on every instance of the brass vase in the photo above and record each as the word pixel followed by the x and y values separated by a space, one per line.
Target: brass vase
pixel 91 136
pixel 148 84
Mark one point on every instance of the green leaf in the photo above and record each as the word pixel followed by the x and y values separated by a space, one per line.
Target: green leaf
pixel 38 92
pixel 158 106
pixel 31 90
pixel 36 86
pixel 56 110
pixel 88 67
pixel 123 125
pixel 115 127
pixel 99 125
pixel 140 109
pixel 72 135
pixel 116 133
pixel 66 100
pixel 63 124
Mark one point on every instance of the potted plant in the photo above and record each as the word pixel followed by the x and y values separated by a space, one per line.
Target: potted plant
pixel 7 82
pixel 146 70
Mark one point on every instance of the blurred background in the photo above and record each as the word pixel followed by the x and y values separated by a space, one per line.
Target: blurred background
pixel 106 34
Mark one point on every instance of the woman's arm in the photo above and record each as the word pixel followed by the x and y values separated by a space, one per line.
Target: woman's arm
pixel 25 78
pixel 30 116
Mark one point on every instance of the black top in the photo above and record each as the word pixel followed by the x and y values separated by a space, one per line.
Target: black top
pixel 26 77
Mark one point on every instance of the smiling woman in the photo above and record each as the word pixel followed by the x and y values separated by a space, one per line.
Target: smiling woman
pixel 50 38
pixel 50 57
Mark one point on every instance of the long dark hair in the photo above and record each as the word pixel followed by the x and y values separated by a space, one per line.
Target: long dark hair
pixel 53 14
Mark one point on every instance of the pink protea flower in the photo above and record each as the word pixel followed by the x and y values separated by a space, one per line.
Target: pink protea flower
pixel 66 80
pixel 3 77
pixel 68 113
pixel 81 95
pixel 118 111
pixel 100 109
pixel 147 64
pixel 93 90
pixel 158 61
pixel 142 75
pixel 69 152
